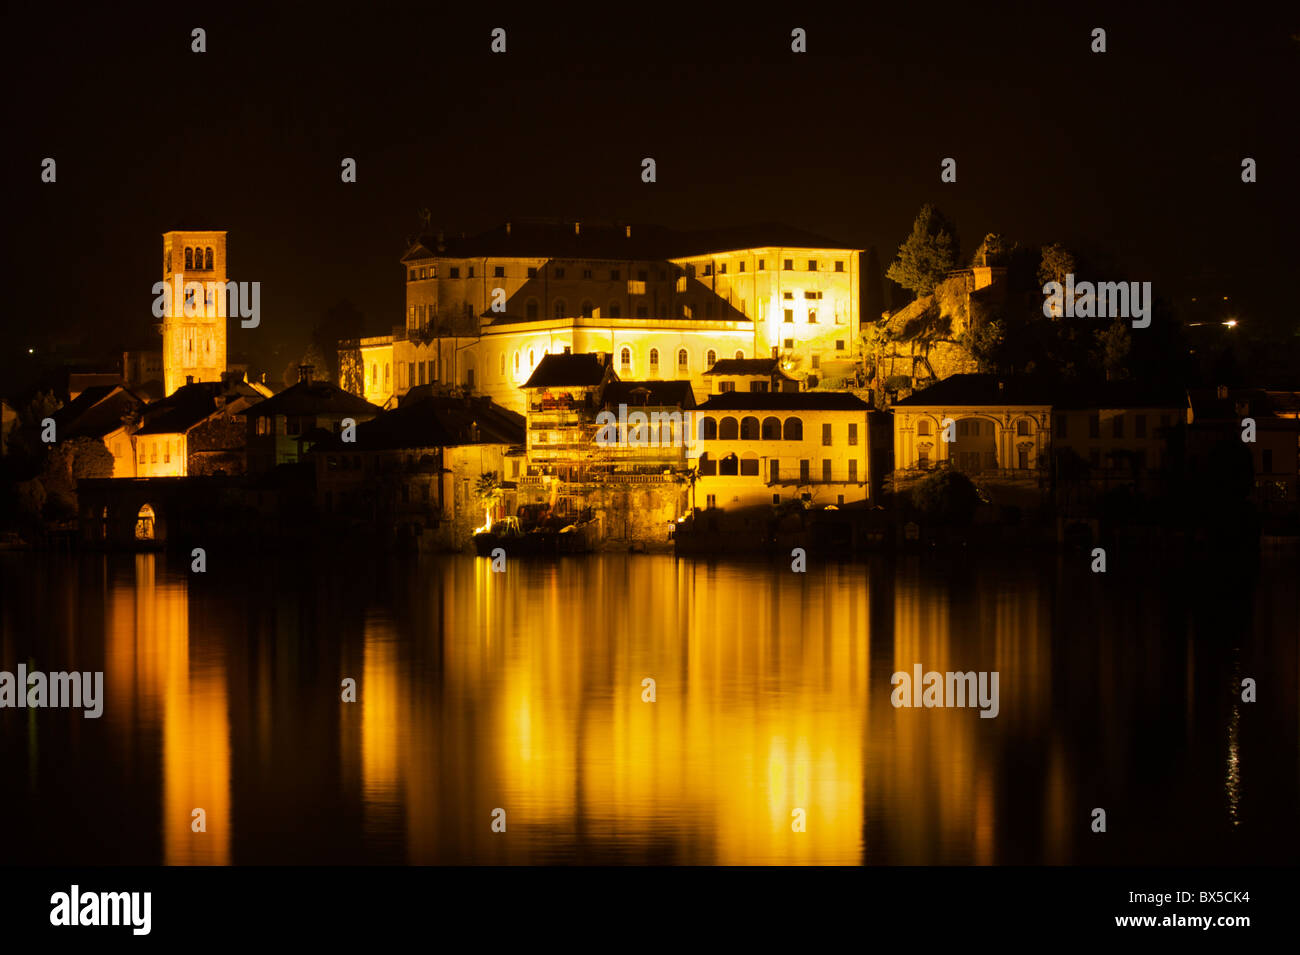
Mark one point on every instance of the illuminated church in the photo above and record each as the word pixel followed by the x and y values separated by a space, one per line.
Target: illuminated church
pixel 482 311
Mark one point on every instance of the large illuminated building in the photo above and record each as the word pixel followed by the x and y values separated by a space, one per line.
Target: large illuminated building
pixel 482 311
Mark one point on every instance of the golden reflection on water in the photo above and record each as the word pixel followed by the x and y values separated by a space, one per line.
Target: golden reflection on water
pixel 149 660
pixel 764 706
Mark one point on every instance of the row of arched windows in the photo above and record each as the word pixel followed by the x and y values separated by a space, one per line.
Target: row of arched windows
pixel 683 359
pixel 198 259
pixel 749 429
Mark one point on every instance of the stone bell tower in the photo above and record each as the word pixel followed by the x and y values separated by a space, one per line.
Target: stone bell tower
pixel 194 326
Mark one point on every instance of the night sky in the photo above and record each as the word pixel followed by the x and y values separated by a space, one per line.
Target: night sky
pixel 1135 153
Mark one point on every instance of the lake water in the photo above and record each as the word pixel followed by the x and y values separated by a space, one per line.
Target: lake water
pixel 523 691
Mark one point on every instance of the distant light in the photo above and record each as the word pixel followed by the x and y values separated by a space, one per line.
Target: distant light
pixel 31 351
pixel 1231 323
pixel 1225 298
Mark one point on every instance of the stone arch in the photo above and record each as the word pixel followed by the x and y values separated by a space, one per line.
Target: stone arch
pixel 749 430
pixel 793 430
pixel 771 428
pixel 728 429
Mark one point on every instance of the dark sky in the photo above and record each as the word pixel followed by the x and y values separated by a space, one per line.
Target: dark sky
pixel 1135 152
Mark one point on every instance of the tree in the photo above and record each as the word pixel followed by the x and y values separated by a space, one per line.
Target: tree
pixel 489 492
pixel 927 254
pixel 1113 346
pixel 985 342
pixel 1057 262
pixel 994 250
pixel 946 497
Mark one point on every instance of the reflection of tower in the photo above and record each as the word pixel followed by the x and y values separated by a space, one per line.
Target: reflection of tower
pixel 194 328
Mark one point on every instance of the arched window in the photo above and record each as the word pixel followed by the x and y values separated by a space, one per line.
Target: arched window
pixel 558 308
pixel 708 466
pixel 531 309
pixel 708 429
pixel 771 429
pixel 749 429
pixel 516 363
pixel 923 427
pixel 682 361
pixel 387 379
pixel 740 355
pixel 503 364
pixel 654 359
pixel 144 524
pixel 793 429
pixel 587 309
pixel 532 360
pixel 710 358
pixel 625 360
pixel 729 465
pixel 207 260
pixel 189 258
pixel 374 373
pixel 727 429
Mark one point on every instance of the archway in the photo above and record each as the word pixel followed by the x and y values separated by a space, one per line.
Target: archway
pixel 144 524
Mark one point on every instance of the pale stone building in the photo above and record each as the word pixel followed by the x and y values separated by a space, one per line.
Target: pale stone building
pixel 759 449
pixel 194 325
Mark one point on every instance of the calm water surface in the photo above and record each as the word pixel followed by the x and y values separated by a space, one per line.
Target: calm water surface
pixel 523 691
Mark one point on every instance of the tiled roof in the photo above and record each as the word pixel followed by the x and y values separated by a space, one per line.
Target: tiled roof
pixel 747 366
pixel 311 398
pixel 573 371
pixel 784 401
pixel 436 421
pixel 656 394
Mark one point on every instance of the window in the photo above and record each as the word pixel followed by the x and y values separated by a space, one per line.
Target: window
pixel 681 359
pixel 725 387
pixel 625 359
pixel 853 471
pixel 816 360
pixel 654 360
pixel 1094 425
pixel 762 264
pixel 531 308
pixel 708 269
pixel 1140 426
pixel 558 309
pixel 167 452
pixel 728 429
pixel 789 318
pixel 788 295
pixel 424 273
pixel 805 471
pixel 1062 429
pixel 839 344
pixel 749 429
pixel 207 260
pixel 812 265
pixel 455 272
pixel 774 471
pixel 826 434
pixel 749 466
pixel 710 358
pixel 826 471
pixel 469 272
pixel 1022 428
pixel 793 429
pixel 839 266
pixel 710 500
pixel 516 363
pixel 587 309
pixel 153 454
pixel 615 275
pixel 1117 426
pixel 742 266
pixel 789 265
pixel 532 272
pixel 776 498
pixel 729 465
pixel 923 428
pixel 189 259
pixel 812 316
pixel 789 343
pixel 559 273
pixel 740 356
pixel 853 434
pixel 499 271
pixel 708 430
pixel 501 365
pixel 722 269
pixel 411 277
pixel 586 273
pixel 260 430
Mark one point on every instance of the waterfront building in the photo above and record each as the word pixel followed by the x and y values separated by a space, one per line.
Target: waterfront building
pixel 281 429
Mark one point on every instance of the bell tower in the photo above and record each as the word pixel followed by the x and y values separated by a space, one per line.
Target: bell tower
pixel 194 326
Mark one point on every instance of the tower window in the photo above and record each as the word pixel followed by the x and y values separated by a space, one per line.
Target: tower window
pixel 189 258
pixel 207 260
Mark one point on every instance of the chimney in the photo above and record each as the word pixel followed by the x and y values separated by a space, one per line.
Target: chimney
pixel 189 379
pixel 304 373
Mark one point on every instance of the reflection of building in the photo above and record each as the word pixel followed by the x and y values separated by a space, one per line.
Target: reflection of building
pixel 759 448
pixel 194 334
pixel 482 311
